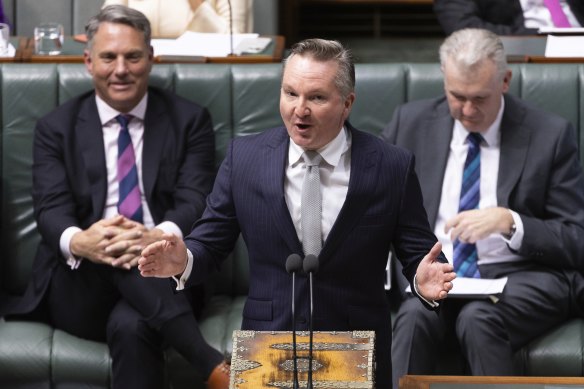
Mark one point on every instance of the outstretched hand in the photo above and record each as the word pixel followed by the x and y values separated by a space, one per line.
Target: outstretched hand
pixel 434 278
pixel 164 258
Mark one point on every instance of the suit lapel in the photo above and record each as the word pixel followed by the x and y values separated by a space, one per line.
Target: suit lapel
pixel 364 173
pixel 90 137
pixel 275 158
pixel 432 158
pixel 513 153
pixel 156 126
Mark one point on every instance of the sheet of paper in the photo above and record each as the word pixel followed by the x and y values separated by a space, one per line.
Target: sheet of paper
pixel 199 44
pixel 475 287
pixel 11 51
pixel 564 46
pixel 561 30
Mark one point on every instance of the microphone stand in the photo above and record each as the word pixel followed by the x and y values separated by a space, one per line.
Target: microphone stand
pixel 310 266
pixel 231 54
pixel 293 264
pixel 309 384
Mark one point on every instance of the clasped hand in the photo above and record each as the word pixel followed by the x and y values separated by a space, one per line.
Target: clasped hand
pixel 117 242
pixel 477 224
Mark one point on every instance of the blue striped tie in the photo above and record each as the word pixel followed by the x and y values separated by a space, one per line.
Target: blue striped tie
pixel 465 254
pixel 129 202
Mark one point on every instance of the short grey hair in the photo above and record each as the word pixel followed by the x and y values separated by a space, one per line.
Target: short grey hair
pixel 328 50
pixel 122 15
pixel 469 47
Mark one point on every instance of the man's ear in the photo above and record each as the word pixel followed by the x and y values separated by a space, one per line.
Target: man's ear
pixel 87 61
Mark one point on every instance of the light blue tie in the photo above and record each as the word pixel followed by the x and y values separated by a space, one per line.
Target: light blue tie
pixel 465 254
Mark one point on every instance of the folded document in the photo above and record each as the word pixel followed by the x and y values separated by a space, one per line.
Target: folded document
pixel 475 287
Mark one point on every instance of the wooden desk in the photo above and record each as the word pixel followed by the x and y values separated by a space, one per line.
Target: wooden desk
pixel 531 49
pixel 468 382
pixel 73 53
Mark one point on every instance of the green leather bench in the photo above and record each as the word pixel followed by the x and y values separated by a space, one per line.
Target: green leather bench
pixel 243 99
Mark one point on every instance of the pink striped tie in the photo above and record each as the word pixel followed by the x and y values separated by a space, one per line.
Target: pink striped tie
pixel 558 16
pixel 129 202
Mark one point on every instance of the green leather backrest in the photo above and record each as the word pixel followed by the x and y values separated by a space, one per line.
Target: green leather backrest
pixel 28 93
pixel 243 100
pixel 210 86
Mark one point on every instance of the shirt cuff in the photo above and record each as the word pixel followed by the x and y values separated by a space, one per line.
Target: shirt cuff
pixel 65 246
pixel 180 282
pixel 170 228
pixel 517 238
pixel 431 303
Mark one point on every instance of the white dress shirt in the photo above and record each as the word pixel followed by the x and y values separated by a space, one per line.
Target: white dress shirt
pixel 335 171
pixel 537 15
pixel 494 248
pixel 111 129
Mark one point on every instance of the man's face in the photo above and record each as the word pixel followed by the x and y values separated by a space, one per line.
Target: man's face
pixel 311 105
pixel 120 63
pixel 474 98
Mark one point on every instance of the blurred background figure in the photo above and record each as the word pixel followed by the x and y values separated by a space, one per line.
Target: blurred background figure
pixel 508 17
pixel 3 18
pixel 172 19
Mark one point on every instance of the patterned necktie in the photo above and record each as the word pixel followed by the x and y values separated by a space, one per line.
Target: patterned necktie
pixel 130 202
pixel 557 13
pixel 465 254
pixel 311 206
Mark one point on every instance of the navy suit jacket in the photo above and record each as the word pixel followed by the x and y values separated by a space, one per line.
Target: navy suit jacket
pixel 539 176
pixel 383 207
pixel 503 17
pixel 70 179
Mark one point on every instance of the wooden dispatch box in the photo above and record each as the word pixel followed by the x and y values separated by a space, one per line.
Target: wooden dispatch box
pixel 264 359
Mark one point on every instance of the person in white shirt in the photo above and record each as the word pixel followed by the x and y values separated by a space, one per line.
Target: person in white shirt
pixel 170 19
pixel 504 17
pixel 527 223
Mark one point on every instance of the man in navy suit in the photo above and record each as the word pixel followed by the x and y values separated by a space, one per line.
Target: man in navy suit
pixel 528 225
pixel 85 269
pixel 503 17
pixel 370 200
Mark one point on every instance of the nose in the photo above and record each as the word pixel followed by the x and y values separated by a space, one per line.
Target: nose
pixel 121 67
pixel 468 108
pixel 301 108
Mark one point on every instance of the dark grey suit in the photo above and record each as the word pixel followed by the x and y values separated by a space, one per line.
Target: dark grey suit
pixel 503 17
pixel 540 178
pixel 70 189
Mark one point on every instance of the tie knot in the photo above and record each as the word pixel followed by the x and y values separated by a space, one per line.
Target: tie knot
pixel 475 138
pixel 312 158
pixel 124 119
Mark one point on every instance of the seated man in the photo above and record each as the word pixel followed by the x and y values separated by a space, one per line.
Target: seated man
pixel 508 17
pixel 504 191
pixel 113 170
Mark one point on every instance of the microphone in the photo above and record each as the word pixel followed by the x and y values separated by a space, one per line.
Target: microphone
pixel 293 265
pixel 310 267
pixel 230 29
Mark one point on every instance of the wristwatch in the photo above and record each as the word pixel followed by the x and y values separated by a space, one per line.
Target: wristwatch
pixel 512 232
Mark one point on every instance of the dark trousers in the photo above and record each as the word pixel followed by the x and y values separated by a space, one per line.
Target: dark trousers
pixel 137 316
pixel 535 300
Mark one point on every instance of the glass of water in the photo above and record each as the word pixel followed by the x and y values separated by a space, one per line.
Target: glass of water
pixel 48 39
pixel 4 39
